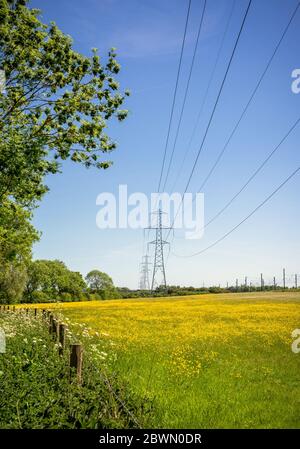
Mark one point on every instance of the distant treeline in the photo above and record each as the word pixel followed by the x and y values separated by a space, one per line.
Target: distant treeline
pixel 52 281
pixel 176 290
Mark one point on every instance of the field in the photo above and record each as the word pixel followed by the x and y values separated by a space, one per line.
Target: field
pixel 209 361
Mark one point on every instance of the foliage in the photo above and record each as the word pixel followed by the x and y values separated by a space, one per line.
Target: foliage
pixel 16 233
pixel 101 283
pixel 177 290
pixel 12 283
pixel 51 279
pixel 97 280
pixel 16 238
pixel 35 389
pixel 55 105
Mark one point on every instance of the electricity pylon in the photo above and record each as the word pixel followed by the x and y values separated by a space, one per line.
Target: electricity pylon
pixel 159 264
pixel 144 280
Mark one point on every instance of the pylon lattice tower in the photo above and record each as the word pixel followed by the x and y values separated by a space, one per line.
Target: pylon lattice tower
pixel 145 268
pixel 159 242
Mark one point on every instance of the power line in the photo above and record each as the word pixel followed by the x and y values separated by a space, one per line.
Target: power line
pixel 216 103
pixel 186 93
pixel 204 97
pixel 251 98
pixel 219 95
pixel 174 94
pixel 246 218
pixel 247 105
pixel 166 145
pixel 254 174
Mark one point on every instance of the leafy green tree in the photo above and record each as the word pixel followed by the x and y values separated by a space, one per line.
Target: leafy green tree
pixel 12 282
pixel 73 283
pixel 101 284
pixel 52 280
pixel 97 281
pixel 56 105
pixel 39 278
pixel 16 233
pixel 56 102
pixel 16 238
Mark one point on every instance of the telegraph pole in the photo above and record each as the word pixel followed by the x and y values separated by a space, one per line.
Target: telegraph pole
pixel 296 281
pixel 246 282
pixel 274 282
pixel 261 281
pixel 159 264
pixel 145 269
pixel 283 275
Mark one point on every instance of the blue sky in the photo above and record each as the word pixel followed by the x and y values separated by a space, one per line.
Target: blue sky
pixel 148 37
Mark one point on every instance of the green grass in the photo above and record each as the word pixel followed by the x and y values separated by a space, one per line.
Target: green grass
pixel 212 361
pixel 37 391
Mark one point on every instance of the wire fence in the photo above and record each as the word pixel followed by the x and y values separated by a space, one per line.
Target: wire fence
pixel 284 280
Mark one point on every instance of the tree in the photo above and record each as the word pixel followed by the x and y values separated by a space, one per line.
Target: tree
pixel 102 284
pixel 16 238
pixel 16 233
pixel 55 105
pixel 97 281
pixel 12 283
pixel 52 280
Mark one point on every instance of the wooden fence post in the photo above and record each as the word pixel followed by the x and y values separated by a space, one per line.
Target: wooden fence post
pixel 50 323
pixel 62 338
pixel 56 329
pixel 35 312
pixel 54 324
pixel 76 361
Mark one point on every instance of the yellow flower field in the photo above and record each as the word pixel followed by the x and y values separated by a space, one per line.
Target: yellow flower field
pixel 204 361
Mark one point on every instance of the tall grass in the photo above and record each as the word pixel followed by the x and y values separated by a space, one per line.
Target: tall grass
pixel 209 361
pixel 36 391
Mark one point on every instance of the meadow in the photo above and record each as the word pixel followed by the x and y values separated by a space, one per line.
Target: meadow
pixel 207 361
